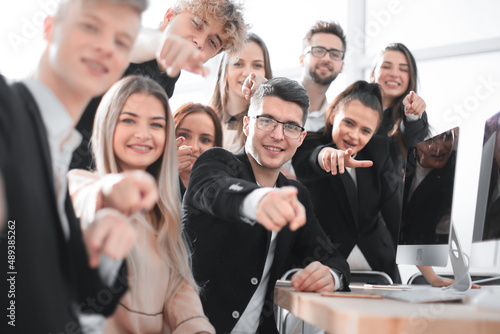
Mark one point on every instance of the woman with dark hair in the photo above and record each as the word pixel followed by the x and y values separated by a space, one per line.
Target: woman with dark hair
pixel 198 128
pixel 228 101
pixel 359 210
pixel 405 119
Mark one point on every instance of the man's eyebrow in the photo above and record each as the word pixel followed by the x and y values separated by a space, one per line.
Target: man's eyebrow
pixel 216 35
pixel 96 18
pixel 219 39
pixel 93 16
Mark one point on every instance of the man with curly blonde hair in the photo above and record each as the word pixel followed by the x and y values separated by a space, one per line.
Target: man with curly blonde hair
pixel 191 33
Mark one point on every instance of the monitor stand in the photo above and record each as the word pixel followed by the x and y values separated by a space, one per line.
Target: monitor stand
pixel 454 292
pixel 459 264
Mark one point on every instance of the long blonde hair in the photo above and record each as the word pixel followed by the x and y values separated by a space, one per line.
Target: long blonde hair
pixel 165 216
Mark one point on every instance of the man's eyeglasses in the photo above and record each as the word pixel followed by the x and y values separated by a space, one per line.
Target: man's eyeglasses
pixel 268 124
pixel 319 52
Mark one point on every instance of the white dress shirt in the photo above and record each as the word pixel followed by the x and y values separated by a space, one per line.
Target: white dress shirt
pixel 316 118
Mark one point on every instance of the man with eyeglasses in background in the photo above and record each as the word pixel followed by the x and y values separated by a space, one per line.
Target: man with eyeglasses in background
pixel 246 219
pixel 322 60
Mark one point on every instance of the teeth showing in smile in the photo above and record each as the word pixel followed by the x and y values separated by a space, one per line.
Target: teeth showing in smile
pixel 348 143
pixel 143 148
pixel 393 83
pixel 275 149
pixel 96 66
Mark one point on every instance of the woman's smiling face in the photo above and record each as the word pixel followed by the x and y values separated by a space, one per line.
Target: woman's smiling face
pixel 354 125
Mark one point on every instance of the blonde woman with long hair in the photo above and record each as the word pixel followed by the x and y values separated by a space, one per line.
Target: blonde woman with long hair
pixel 133 141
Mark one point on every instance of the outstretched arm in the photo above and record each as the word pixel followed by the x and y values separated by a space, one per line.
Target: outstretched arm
pixel 171 52
pixel 251 83
pixel 280 207
pixel 111 234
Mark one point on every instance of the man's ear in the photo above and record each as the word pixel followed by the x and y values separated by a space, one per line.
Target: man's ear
pixel 302 136
pixel 168 16
pixel 301 59
pixel 342 67
pixel 246 124
pixel 48 28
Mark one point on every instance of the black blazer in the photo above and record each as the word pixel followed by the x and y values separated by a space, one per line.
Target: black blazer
pixel 52 273
pixel 367 215
pixel 414 132
pixel 229 254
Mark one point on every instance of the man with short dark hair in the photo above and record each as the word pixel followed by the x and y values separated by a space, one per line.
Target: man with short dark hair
pixel 247 220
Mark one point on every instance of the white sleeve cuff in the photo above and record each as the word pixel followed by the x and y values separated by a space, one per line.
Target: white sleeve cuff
pixel 108 269
pixel 412 117
pixel 337 277
pixel 248 208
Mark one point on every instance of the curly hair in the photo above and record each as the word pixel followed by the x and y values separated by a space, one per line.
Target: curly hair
pixel 227 13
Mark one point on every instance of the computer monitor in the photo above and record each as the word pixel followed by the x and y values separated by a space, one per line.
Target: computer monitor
pixel 427 201
pixel 485 250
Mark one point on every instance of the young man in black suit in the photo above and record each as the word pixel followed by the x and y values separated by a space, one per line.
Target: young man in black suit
pixel 54 273
pixel 246 219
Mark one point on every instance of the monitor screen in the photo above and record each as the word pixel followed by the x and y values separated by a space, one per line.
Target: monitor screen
pixel 485 251
pixel 427 201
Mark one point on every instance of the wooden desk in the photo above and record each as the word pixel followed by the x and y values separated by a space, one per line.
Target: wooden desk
pixel 338 315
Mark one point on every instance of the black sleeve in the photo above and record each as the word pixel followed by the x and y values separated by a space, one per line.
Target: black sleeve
pixel 391 201
pixel 5 105
pixel 93 295
pixel 217 183
pixel 303 161
pixel 151 70
pixel 415 131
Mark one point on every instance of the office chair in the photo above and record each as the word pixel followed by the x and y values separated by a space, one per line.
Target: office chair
pixel 370 277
